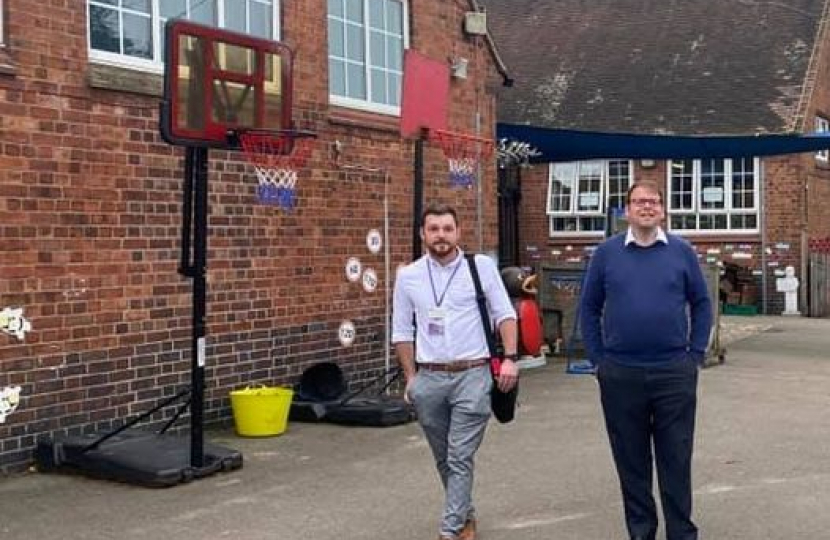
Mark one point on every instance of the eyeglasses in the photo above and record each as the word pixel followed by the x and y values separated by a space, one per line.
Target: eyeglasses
pixel 646 202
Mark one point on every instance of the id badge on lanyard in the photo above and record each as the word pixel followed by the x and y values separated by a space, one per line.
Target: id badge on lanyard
pixel 436 322
pixel 437 315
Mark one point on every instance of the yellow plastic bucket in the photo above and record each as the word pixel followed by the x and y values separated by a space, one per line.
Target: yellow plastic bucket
pixel 262 411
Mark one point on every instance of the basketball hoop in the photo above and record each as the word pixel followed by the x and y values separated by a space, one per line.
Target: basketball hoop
pixel 464 153
pixel 276 157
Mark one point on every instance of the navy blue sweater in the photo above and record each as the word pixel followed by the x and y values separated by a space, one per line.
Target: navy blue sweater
pixel 634 303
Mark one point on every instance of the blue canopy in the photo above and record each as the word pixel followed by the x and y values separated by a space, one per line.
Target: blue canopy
pixel 573 145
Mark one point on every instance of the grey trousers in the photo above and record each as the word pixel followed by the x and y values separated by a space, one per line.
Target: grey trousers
pixel 453 410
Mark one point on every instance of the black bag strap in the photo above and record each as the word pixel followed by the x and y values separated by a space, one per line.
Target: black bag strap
pixel 481 299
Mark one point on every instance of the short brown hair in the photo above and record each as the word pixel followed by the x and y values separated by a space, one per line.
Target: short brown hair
pixel 439 209
pixel 651 186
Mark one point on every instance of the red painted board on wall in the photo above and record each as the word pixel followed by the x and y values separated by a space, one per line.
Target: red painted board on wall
pixel 426 89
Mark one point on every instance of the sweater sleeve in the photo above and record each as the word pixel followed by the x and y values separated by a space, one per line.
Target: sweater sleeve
pixel 700 307
pixel 591 306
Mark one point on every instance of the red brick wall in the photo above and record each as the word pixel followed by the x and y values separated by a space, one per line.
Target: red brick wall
pixel 90 230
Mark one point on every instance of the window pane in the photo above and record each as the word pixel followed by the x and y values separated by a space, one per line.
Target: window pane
pixel 592 224
pixel 394 53
pixel 394 89
pixel 713 222
pixel 590 186
pixel 138 5
pixel 618 182
pixel 138 33
pixel 379 87
pixel 394 16
pixel 377 50
pixel 170 9
pixel 683 222
pixel 161 42
pixel 356 81
pixel 744 221
pixel 712 184
pixel 203 11
pixel 337 78
pixel 743 183
pixel 110 2
pixel 561 187
pixel 354 11
pixel 743 199
pixel 563 224
pixel 354 43
pixel 337 45
pixel 376 19
pixel 336 8
pixel 359 32
pixel 682 185
pixel 261 20
pixel 103 29
pixel 235 15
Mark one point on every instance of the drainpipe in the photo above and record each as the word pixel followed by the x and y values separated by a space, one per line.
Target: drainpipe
pixel 763 224
pixel 417 197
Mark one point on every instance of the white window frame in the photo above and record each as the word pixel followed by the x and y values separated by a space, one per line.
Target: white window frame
pixel 2 25
pixel 156 64
pixel 572 210
pixel 822 125
pixel 367 104
pixel 728 209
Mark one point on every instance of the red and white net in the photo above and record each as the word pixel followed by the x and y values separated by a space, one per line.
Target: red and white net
pixel 464 153
pixel 276 157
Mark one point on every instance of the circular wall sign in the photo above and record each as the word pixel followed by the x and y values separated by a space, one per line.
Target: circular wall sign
pixel 353 269
pixel 346 333
pixel 370 280
pixel 374 241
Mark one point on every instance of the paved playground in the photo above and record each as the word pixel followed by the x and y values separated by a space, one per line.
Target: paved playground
pixel 762 467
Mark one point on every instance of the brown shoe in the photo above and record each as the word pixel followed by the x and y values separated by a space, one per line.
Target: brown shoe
pixel 469 531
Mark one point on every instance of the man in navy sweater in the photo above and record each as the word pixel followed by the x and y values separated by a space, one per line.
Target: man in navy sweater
pixel 646 316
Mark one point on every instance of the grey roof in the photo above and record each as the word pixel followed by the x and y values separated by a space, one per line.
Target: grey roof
pixel 655 66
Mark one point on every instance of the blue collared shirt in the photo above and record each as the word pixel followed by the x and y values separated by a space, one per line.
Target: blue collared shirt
pixel 462 336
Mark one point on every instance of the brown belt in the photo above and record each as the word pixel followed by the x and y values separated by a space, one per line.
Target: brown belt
pixel 452 367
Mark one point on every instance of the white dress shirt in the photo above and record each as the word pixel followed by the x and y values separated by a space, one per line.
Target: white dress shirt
pixel 425 288
pixel 661 236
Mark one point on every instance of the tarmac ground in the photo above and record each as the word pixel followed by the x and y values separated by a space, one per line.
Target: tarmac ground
pixel 761 467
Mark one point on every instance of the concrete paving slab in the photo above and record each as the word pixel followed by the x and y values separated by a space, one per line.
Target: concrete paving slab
pixel 761 467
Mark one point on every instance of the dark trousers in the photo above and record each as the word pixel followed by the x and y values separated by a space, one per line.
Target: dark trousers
pixel 645 407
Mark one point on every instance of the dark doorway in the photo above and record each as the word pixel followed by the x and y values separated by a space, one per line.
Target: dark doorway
pixel 509 196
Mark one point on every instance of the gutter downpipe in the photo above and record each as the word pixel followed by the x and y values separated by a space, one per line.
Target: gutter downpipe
pixel 763 224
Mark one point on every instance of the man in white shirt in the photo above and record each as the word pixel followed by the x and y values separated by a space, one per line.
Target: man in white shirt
pixel 446 364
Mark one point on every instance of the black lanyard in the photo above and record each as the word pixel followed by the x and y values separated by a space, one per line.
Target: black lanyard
pixel 440 300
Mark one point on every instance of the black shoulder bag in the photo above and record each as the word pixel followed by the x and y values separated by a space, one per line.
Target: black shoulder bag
pixel 503 404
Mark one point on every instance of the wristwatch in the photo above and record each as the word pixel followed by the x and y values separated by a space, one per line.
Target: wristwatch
pixel 511 356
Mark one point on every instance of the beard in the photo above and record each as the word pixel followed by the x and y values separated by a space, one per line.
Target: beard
pixel 441 249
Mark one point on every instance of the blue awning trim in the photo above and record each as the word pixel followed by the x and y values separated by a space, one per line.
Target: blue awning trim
pixel 572 145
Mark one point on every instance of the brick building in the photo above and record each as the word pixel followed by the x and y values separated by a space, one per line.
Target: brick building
pixel 90 201
pixel 682 69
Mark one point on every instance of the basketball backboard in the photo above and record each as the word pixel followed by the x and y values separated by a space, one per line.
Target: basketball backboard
pixel 426 90
pixel 217 82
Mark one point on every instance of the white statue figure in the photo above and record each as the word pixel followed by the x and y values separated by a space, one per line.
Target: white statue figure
pixel 789 286
pixel 9 400
pixel 13 322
